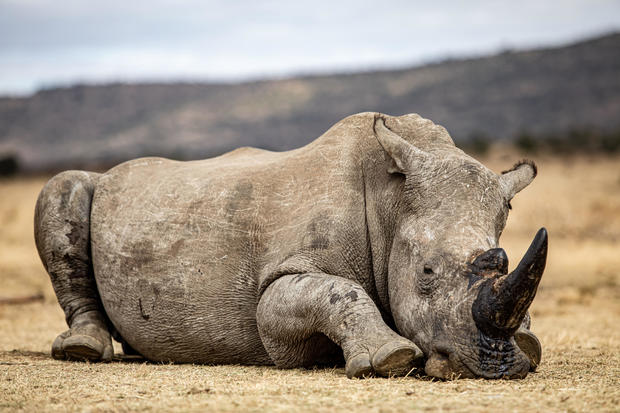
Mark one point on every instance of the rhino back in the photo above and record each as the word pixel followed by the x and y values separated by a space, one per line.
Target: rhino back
pixel 180 249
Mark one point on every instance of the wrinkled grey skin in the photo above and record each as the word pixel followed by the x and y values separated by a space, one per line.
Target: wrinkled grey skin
pixel 356 246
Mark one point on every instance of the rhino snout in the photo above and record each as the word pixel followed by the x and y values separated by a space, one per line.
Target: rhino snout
pixel 449 366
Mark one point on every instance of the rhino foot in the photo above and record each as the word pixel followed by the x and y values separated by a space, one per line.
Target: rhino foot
pixel 359 367
pixel 86 342
pixel 530 345
pixel 394 358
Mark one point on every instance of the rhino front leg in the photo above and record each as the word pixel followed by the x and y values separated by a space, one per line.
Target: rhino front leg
pixel 295 309
pixel 529 343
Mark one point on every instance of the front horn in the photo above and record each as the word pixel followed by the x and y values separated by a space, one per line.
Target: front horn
pixel 502 302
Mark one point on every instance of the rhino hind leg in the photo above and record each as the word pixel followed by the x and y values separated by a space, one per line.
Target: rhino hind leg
pixel 62 236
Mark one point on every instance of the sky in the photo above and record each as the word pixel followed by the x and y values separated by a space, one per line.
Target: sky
pixel 46 44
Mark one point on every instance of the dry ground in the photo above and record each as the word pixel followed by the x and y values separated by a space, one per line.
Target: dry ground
pixel 576 315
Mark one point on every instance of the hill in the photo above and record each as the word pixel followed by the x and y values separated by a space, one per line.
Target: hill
pixel 551 90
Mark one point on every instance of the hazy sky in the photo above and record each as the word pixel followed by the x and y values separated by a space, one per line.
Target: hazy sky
pixel 46 43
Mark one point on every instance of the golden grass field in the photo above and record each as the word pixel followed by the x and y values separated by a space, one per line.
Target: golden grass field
pixel 576 315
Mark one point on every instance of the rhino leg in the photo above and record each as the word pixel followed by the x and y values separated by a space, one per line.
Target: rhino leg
pixel 62 235
pixel 529 343
pixel 295 309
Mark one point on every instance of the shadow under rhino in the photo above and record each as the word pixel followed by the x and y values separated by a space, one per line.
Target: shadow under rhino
pixel 375 245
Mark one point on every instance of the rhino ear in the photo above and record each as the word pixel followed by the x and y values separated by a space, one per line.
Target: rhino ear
pixel 518 177
pixel 404 155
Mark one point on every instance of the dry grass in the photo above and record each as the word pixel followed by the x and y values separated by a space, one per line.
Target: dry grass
pixel 576 315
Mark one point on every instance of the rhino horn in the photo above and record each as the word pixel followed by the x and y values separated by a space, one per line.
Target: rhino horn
pixel 493 260
pixel 502 302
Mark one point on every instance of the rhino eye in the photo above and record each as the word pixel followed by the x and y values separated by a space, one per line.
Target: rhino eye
pixel 508 205
pixel 428 269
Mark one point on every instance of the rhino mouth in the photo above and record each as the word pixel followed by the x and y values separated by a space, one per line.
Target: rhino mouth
pixel 484 357
pixel 496 359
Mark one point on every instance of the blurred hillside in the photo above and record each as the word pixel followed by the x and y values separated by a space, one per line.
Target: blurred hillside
pixel 513 95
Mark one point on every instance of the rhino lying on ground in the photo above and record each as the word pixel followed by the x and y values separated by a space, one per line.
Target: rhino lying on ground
pixel 374 245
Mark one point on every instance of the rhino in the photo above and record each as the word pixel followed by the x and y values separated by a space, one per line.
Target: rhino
pixel 374 247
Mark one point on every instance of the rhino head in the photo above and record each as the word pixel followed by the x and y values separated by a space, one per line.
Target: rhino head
pixel 448 283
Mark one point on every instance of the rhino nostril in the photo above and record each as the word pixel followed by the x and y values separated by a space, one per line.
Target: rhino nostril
pixel 438 365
